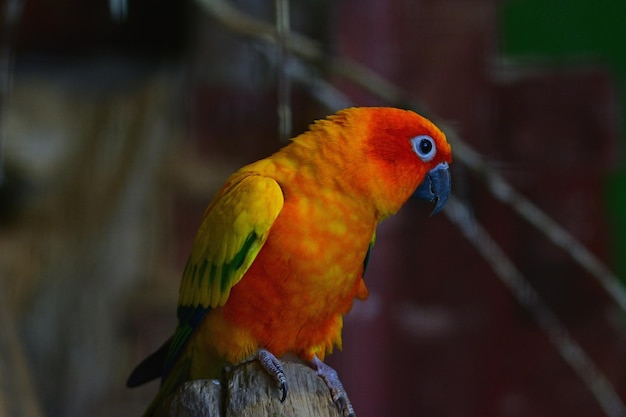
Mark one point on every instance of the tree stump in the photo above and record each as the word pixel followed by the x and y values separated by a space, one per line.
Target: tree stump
pixel 248 391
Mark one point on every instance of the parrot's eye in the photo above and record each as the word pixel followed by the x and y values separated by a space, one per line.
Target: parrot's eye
pixel 424 147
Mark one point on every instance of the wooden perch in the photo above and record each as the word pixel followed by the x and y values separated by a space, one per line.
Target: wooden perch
pixel 248 391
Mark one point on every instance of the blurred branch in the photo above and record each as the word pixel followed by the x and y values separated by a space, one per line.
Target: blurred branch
pixel 284 83
pixel 302 47
pixel 242 24
pixel 248 391
pixel 526 295
pixel 504 192
pixel 11 16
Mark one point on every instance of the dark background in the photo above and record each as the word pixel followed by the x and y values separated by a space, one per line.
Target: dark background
pixel 120 119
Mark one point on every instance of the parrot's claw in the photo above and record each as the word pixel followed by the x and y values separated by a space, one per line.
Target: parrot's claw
pixel 338 392
pixel 272 366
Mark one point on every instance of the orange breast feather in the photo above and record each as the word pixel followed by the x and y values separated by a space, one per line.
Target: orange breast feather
pixel 305 276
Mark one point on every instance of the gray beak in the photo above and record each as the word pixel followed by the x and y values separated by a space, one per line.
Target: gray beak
pixel 435 187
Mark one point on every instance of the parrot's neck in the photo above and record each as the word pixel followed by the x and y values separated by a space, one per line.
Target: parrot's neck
pixel 330 158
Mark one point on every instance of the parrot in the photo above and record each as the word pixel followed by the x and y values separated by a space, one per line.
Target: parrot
pixel 282 248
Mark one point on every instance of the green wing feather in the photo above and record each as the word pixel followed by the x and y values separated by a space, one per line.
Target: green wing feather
pixel 234 228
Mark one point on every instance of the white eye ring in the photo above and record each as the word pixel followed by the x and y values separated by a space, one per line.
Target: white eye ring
pixel 424 146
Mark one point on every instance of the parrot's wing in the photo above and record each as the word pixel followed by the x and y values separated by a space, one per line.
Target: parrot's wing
pixel 233 230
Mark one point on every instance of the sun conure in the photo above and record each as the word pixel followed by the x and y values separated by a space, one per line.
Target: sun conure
pixel 280 254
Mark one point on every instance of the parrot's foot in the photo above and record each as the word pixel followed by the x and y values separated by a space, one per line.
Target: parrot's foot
pixel 338 392
pixel 272 366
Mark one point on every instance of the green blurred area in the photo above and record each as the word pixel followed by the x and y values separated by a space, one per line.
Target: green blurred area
pixel 566 31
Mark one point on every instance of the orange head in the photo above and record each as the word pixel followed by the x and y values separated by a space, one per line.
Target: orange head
pixel 383 155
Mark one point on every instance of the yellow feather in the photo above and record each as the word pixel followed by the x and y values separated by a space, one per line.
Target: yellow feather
pixel 232 233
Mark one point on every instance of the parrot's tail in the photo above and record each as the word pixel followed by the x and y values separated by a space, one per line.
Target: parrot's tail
pixel 150 368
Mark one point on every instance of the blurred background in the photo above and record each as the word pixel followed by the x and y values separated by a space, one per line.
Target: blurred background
pixel 119 119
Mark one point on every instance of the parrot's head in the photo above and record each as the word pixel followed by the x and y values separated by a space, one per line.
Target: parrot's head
pixel 395 154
